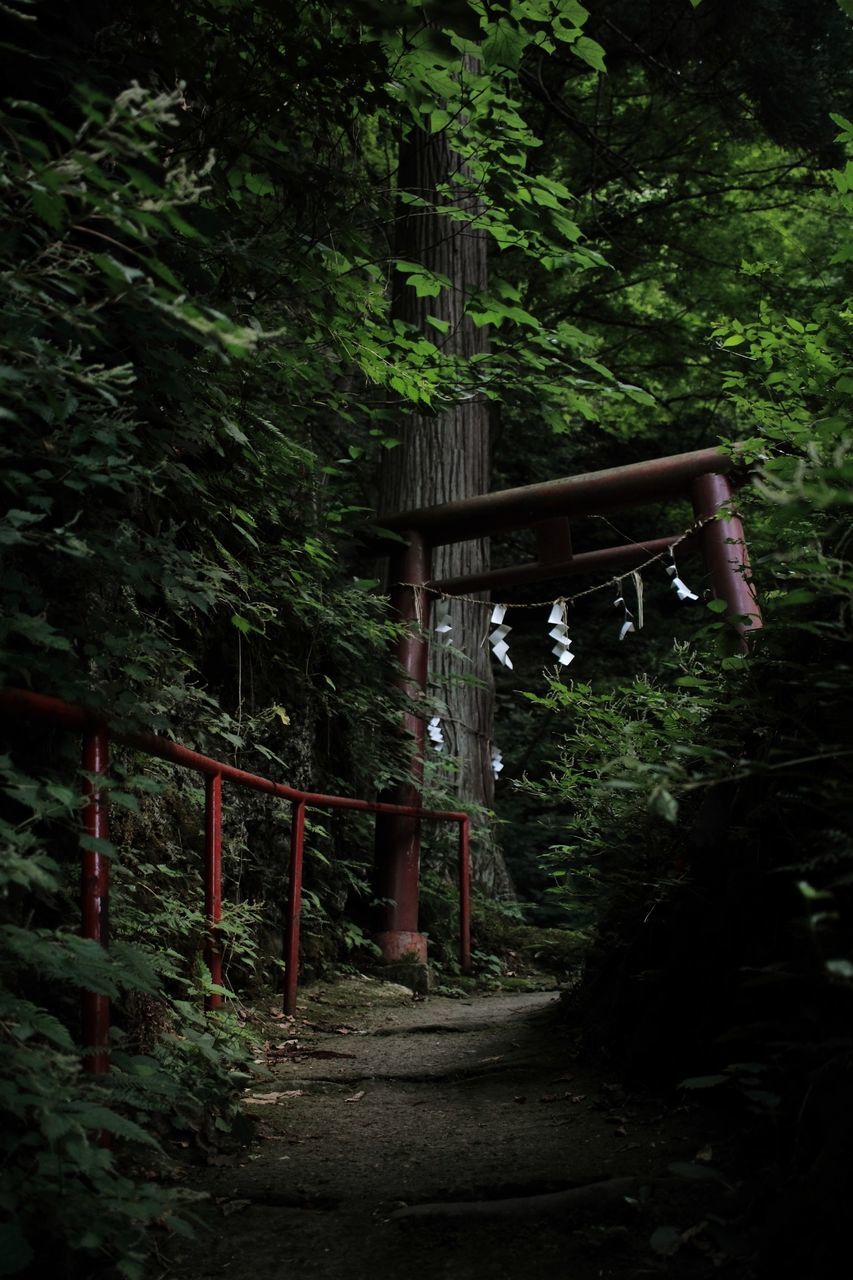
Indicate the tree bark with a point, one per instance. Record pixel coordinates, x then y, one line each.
447 456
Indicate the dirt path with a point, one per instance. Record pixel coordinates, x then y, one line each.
377 1104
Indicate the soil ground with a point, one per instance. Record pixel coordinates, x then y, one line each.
376 1101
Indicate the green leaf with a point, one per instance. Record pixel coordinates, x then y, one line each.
590 52
125 800
504 47
95 844
637 394
425 286
703 1082
842 121
663 804
800 595
50 207
97 1118
811 894
117 271
259 184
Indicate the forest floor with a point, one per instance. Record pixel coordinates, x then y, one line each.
462 1138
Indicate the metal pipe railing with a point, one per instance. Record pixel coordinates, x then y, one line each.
95 863
95 890
213 883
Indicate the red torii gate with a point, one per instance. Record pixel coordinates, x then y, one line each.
704 476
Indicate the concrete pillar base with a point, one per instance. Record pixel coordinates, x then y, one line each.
404 959
402 944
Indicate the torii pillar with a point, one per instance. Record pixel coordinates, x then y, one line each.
398 836
725 553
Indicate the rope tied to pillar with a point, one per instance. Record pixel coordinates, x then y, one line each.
421 588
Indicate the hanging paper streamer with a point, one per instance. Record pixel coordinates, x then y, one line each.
497 639
628 618
683 592
442 622
559 633
436 737
638 587
497 761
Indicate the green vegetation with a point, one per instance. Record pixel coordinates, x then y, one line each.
201 375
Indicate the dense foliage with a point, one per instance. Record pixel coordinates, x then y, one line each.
200 376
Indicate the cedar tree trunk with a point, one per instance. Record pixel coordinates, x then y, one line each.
445 457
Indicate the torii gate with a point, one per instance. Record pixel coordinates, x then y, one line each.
704 476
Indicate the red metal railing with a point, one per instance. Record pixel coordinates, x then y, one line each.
95 864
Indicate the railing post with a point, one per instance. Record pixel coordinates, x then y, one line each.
465 895
726 555
213 884
94 895
398 836
294 906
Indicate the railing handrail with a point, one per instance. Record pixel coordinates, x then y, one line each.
96 730
70 716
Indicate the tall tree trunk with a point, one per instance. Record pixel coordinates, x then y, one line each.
445 457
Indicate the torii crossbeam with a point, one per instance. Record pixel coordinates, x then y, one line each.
707 477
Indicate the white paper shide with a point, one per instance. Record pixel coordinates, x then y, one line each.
441 619
434 733
680 588
559 633
497 638
627 616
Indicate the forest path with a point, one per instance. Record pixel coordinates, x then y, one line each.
377 1102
